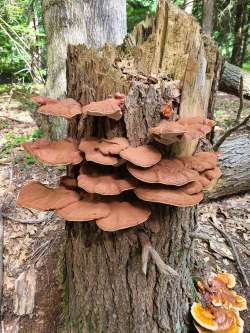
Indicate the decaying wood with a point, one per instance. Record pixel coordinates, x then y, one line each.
104 278
235 167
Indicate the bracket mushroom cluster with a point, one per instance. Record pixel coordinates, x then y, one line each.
116 180
219 311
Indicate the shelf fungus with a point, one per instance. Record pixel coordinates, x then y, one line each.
110 107
220 312
37 196
168 132
142 156
94 181
167 172
62 152
124 215
67 108
84 210
102 151
174 196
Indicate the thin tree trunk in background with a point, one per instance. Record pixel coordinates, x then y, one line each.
106 289
208 16
188 6
93 23
240 18
245 39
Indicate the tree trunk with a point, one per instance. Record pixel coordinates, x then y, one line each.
230 80
240 18
92 22
107 292
235 167
208 16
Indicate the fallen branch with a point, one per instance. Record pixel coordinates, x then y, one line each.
147 251
228 239
229 132
17 120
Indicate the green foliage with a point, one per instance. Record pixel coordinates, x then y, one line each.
22 40
13 141
137 10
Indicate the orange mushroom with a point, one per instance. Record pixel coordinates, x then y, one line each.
37 196
67 108
43 100
201 161
168 132
123 215
92 152
218 320
167 172
142 156
110 108
84 210
113 146
93 181
168 195
61 152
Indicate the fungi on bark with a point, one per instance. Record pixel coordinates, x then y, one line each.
94 181
142 156
123 215
110 107
67 108
35 195
168 132
222 305
62 152
84 210
68 182
174 196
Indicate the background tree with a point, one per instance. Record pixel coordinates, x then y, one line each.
208 16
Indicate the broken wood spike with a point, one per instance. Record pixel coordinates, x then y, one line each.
147 251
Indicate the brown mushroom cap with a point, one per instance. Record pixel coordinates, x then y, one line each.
193 187
92 153
104 184
168 132
67 108
62 152
124 215
167 172
142 156
168 195
201 161
84 210
110 108
37 196
113 146
214 173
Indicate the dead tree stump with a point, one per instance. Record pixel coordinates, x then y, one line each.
106 289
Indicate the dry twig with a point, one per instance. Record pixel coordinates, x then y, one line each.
228 239
147 251
229 132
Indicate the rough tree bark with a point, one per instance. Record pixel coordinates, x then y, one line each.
92 22
208 16
235 167
107 292
230 80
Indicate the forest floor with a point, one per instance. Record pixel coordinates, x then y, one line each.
34 242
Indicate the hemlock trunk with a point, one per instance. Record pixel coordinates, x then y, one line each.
107 291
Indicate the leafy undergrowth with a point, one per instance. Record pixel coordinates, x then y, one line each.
41 244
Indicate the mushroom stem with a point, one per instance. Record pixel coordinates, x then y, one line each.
149 250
